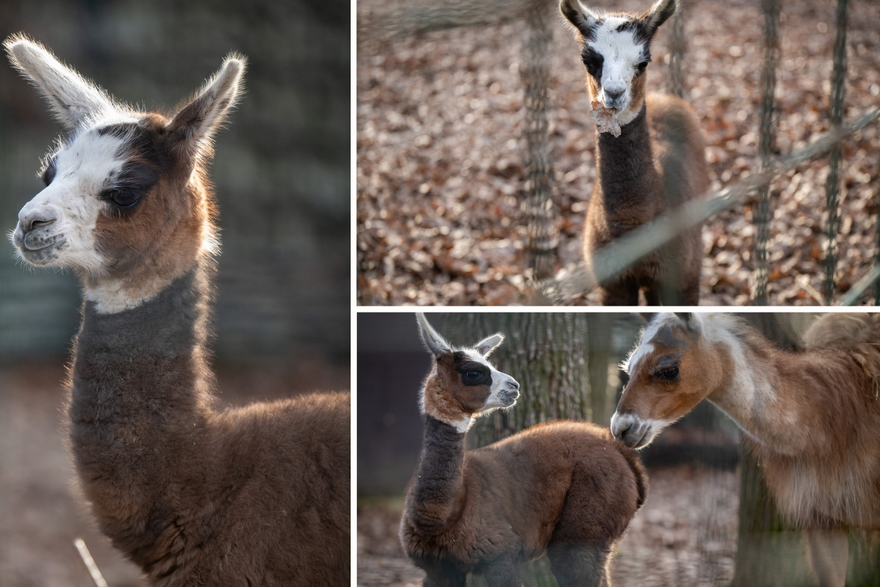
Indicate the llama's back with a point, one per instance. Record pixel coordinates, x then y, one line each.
843 330
283 483
678 146
583 467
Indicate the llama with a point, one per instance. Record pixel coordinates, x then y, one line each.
814 415
649 157
193 495
567 488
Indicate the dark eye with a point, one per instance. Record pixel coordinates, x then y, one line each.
593 62
473 375
124 199
49 172
640 68
667 374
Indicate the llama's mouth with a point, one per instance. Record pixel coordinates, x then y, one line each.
38 247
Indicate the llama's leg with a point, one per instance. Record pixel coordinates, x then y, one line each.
579 564
620 292
828 553
503 572
443 574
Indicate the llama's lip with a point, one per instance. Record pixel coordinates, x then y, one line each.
38 247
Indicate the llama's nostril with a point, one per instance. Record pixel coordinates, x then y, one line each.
29 222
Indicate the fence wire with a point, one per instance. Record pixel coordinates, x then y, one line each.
832 185
768 106
540 212
626 250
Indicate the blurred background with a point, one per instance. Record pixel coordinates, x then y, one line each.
282 180
708 520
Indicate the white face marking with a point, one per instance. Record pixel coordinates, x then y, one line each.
646 346
504 390
57 227
621 56
634 431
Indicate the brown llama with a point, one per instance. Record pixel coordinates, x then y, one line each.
193 495
649 156
567 488
814 415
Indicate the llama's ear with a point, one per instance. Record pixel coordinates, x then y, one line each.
691 322
580 17
433 341
72 98
195 124
648 316
487 345
657 15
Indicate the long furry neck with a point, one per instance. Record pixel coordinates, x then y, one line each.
626 173
437 488
783 399
139 406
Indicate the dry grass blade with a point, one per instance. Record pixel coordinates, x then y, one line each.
86 556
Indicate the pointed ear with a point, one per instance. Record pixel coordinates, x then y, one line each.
657 15
433 341
580 17
487 345
195 124
691 322
73 99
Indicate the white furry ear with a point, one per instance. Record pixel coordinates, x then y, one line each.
487 345
581 18
433 341
657 15
73 99
195 124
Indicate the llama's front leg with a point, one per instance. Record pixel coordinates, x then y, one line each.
503 572
828 554
620 292
580 564
443 574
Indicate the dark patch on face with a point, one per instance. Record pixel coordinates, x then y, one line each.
473 373
667 339
50 168
129 188
666 367
593 61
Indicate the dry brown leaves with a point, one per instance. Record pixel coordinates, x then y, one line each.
441 181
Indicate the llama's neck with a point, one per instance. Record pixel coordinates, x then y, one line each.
771 394
626 174
140 401
437 488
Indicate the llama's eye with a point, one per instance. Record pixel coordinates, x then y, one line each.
667 374
124 199
641 67
49 172
472 375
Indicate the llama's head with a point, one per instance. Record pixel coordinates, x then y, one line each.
675 366
462 383
126 203
616 50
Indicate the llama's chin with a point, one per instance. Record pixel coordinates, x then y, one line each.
47 256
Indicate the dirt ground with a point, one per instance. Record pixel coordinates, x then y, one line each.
684 535
41 509
441 182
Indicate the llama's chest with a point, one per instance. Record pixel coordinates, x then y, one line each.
809 493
